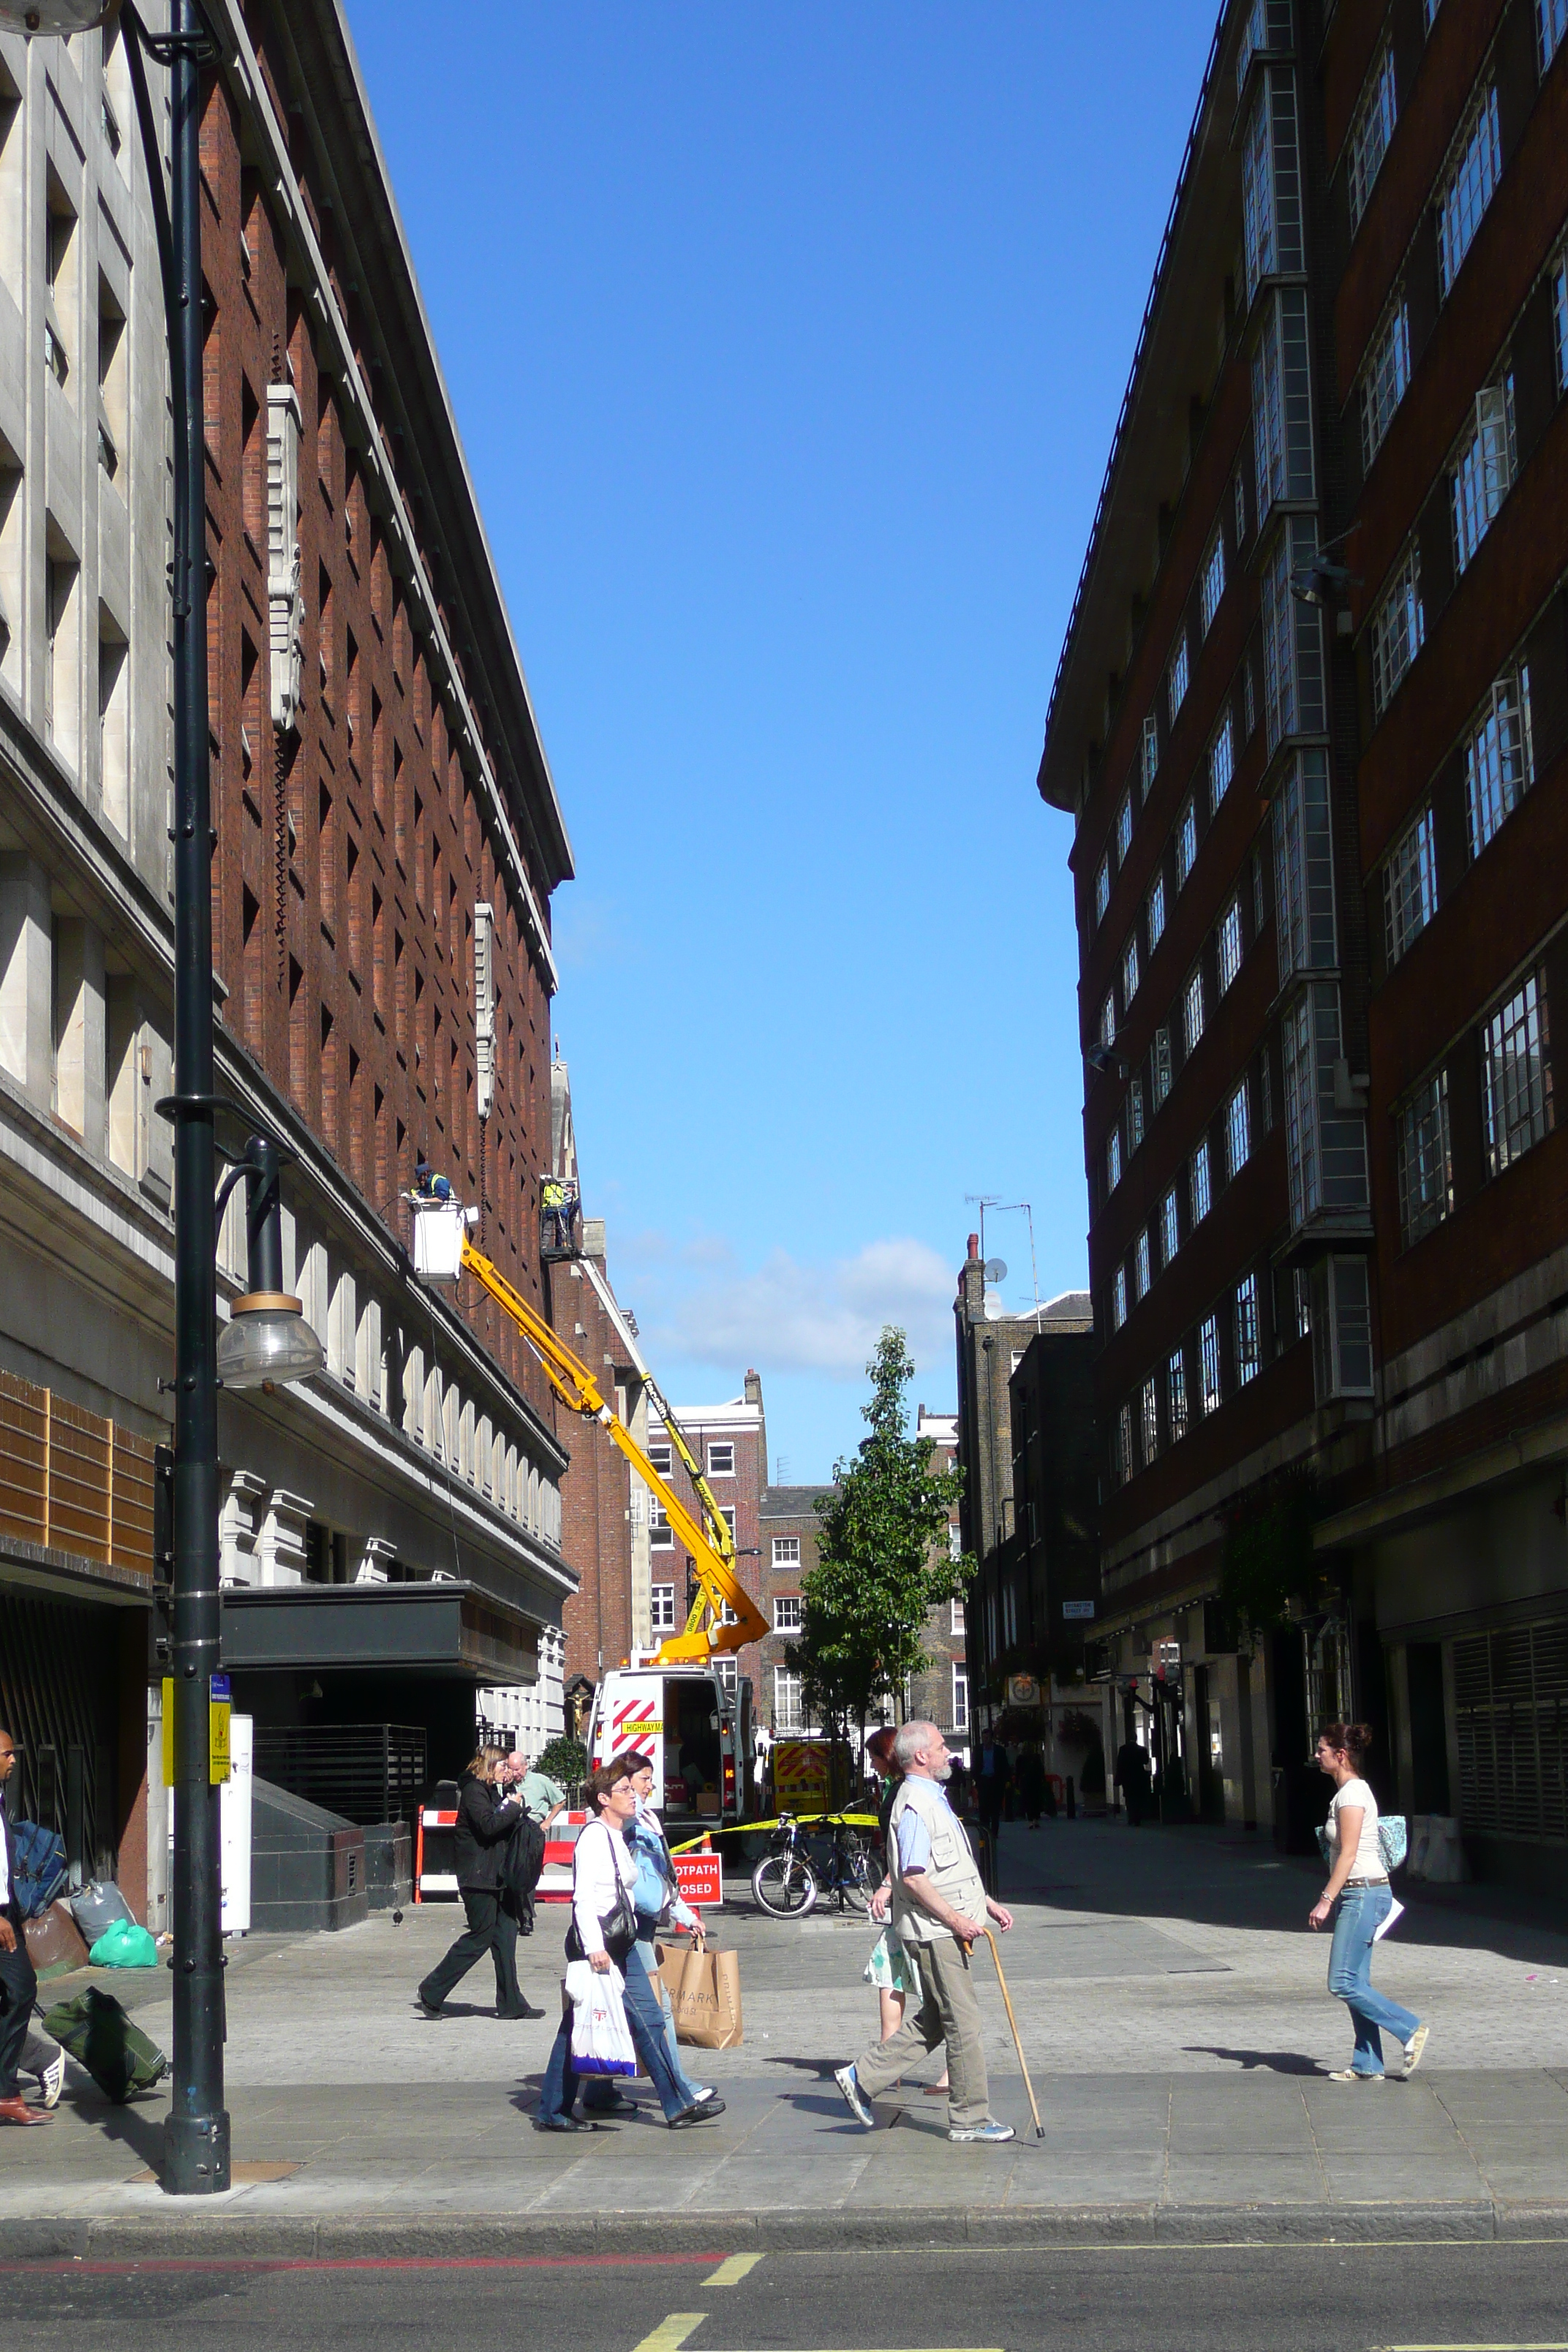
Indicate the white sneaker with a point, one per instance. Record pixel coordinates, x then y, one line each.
855 2098
52 2079
993 2133
1349 2074
1416 2048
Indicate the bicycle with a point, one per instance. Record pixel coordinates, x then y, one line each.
789 1879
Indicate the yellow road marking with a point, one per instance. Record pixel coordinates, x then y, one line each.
730 2272
1471 2348
671 2333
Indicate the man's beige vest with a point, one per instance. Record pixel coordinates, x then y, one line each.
954 1872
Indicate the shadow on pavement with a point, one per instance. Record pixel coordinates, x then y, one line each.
1276 2062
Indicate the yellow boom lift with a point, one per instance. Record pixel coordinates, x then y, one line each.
724 1618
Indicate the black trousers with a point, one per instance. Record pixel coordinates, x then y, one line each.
992 1796
490 1929
18 1986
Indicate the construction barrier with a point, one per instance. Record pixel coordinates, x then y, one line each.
433 1858
699 1870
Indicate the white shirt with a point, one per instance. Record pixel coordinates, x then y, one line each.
1368 1863
598 1860
4 1862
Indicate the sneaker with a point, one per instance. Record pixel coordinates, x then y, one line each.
1350 2074
1414 2050
52 2079
705 2112
993 2134
855 2098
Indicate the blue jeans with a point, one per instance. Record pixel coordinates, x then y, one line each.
601 2093
646 2019
1358 1914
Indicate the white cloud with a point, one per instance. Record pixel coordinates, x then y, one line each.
786 1316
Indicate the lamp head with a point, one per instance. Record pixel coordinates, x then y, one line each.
267 1341
65 17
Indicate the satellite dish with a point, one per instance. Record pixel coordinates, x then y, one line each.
995 1269
994 1309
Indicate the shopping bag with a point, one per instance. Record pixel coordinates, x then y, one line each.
704 1990
601 2038
124 1945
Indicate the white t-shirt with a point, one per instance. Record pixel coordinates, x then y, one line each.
1368 1863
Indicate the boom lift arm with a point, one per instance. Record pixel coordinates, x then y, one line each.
718 1581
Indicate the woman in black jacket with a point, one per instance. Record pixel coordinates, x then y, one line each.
485 1819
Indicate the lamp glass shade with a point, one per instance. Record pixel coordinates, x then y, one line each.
52 16
271 1343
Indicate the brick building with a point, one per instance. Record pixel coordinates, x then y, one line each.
1309 721
731 1440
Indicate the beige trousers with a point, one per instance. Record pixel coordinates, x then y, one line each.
948 2013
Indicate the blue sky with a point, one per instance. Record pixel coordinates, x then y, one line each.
786 344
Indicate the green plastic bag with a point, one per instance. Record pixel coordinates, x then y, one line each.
124 1945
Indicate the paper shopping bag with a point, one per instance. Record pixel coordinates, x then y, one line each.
704 1990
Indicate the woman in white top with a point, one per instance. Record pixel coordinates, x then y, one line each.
1357 1897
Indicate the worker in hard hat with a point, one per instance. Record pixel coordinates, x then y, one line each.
558 1206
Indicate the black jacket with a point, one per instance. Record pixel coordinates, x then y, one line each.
485 1821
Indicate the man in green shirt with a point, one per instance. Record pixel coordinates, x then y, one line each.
541 1796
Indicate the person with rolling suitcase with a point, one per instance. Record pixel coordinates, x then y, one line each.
18 1984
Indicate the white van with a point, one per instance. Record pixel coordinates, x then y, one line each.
699 1735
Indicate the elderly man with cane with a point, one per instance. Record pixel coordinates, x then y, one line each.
939 1908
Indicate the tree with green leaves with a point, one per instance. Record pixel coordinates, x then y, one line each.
882 1556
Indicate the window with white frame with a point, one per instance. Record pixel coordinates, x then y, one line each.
1210 1394
1552 22
955 1548
1341 1335
1517 1082
727 1513
1170 1227
1222 760
1271 181
1228 945
662 1456
660 1534
1124 1463
1198 1184
1134 1115
1474 170
1129 971
728 1673
1186 841
1124 829
1302 1301
786 1613
1426 1162
1560 310
1304 868
1325 1146
1151 750
955 1617
662 1611
786 1552
1237 1131
1482 474
1370 134
789 1704
1282 455
1102 888
722 1460
1192 1009
1141 1264
1113 1159
1149 1419
1398 630
1108 1020
1118 1299
1176 1395
1160 1064
1155 912
1500 765
1211 586
1248 1342
1176 677
1292 638
960 1698
1385 378
1409 886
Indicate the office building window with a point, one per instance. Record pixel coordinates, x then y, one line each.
1124 829
1302 1301
1409 886
1271 182
1141 1264
1102 888
660 1534
1467 191
1560 310
662 1456
1228 945
1199 1184
1151 750
1134 1115
661 1615
1222 761
1108 1020
1398 630
1500 765
1129 971
1123 1444
722 1461
1304 868
1212 583
1176 677
1187 843
1483 472
1170 1233
1517 1109
1238 499
1249 702
786 1613
1118 1299
1292 638
1370 134
1341 1336
1113 1159
1192 1009
1237 1131
955 1619
1156 914
960 1698
1282 459
786 1552
1384 377
1248 1347
727 1513
1177 1396
789 1711
1426 1167
1149 1419
1325 1146
1160 1064
1551 20
1209 1393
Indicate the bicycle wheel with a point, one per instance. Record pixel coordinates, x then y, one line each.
858 1877
786 1884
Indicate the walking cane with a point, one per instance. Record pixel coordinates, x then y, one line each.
1017 2040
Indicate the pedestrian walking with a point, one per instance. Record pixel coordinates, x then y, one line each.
993 1772
939 1908
1132 1779
889 1966
541 1797
655 1897
1357 1899
485 1819
1031 1779
603 1931
18 1984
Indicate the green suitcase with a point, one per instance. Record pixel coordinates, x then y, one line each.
98 2035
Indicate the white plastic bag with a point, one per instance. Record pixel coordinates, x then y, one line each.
601 2038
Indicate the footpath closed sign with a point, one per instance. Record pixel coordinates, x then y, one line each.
700 1878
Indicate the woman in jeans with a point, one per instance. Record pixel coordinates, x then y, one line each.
602 1872
655 1885
1357 1899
